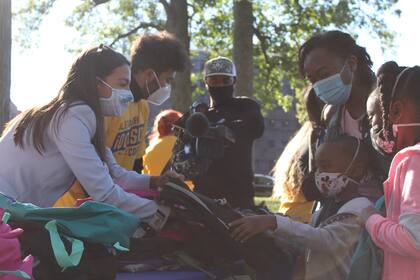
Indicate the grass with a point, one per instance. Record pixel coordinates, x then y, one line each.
272 204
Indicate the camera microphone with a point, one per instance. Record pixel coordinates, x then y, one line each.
197 124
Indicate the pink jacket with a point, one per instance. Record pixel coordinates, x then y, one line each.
399 233
10 259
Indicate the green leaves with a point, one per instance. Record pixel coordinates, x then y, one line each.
281 26
30 17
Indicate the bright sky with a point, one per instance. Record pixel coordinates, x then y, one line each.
38 73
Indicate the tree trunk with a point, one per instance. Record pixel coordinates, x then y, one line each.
242 46
177 23
5 59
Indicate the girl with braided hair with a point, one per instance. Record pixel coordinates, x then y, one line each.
377 107
398 233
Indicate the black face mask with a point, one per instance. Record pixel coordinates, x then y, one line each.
220 95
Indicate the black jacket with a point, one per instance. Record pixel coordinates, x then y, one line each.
231 177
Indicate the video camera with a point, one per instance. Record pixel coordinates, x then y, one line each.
199 141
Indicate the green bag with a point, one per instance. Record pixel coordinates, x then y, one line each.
367 260
93 222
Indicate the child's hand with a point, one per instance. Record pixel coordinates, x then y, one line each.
366 213
173 174
247 227
158 182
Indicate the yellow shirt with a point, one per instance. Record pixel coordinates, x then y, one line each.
71 196
297 208
126 137
158 155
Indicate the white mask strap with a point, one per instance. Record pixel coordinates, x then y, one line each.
157 79
105 83
147 84
354 156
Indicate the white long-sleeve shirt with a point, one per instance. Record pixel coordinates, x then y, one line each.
41 179
329 248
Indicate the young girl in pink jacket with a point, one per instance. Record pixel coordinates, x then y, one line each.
398 234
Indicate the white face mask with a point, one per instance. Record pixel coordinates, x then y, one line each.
117 103
160 95
330 184
332 90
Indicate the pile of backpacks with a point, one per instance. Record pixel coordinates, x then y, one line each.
96 241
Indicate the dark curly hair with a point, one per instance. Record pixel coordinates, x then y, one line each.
159 51
343 45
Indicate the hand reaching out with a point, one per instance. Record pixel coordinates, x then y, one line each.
158 182
247 227
366 213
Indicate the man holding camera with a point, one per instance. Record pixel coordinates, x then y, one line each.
232 175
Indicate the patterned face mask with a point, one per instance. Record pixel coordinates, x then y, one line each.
330 184
382 146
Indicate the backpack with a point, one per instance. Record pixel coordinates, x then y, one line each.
92 222
367 260
97 261
260 252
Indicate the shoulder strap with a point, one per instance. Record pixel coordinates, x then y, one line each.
365 127
64 259
380 202
334 124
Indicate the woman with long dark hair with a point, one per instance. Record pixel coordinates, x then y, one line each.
44 149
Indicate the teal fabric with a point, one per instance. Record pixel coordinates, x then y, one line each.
63 258
17 273
93 221
367 260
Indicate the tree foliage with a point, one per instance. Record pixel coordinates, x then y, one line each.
280 27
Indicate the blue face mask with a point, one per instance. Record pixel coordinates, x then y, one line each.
332 90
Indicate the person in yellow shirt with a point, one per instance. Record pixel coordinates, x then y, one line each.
162 140
288 178
126 135
296 161
155 58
